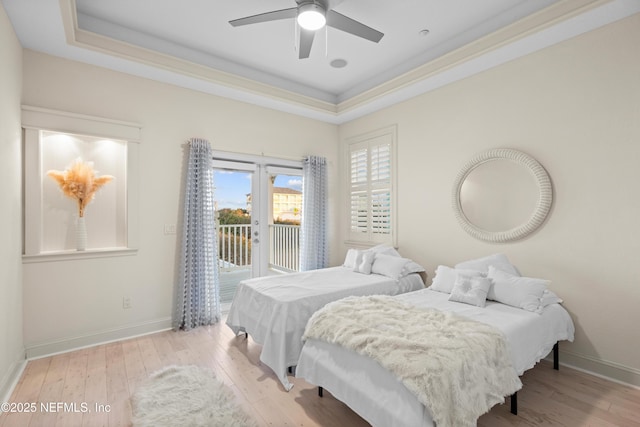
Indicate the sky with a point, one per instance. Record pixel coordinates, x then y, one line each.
231 188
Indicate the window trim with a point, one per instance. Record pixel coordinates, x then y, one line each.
389 132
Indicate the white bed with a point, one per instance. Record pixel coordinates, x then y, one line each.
274 310
380 398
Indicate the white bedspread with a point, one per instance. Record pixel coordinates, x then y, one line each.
274 310
443 358
363 384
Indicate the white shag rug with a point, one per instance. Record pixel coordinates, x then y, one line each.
186 396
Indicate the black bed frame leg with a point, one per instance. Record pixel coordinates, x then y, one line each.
556 366
320 391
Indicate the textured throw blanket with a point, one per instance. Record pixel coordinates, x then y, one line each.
457 367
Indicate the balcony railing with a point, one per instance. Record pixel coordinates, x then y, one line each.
234 247
284 247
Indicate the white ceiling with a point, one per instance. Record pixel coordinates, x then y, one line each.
266 51
191 44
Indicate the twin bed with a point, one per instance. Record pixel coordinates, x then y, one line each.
378 396
358 357
274 310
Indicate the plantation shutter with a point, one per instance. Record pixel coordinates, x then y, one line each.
370 192
359 190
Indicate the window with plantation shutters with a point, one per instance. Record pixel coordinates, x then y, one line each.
371 183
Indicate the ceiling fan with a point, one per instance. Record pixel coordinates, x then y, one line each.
312 15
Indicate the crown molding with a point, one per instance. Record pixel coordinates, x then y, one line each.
532 24
78 37
551 25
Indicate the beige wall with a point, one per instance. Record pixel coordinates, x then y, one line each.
11 348
575 107
80 301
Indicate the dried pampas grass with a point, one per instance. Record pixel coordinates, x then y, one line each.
79 182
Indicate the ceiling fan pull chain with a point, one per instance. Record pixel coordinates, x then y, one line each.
326 41
295 36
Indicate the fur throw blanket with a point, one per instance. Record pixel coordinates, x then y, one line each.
457 367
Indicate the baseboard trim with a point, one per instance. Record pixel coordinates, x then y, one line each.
11 379
64 345
601 368
593 366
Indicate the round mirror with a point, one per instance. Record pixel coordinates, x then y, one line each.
501 195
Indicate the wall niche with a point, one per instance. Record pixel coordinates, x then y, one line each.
54 140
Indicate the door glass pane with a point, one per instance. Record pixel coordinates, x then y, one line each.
232 199
284 222
257 212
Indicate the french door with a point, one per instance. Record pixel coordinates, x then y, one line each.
257 205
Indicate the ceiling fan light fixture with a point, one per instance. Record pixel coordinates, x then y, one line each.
311 16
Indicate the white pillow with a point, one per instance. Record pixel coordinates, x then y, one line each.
499 261
385 249
364 260
350 258
411 267
470 290
517 291
445 278
549 297
389 265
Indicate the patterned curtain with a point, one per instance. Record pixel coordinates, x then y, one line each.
197 301
314 251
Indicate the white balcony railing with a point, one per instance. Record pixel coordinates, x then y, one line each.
234 247
284 247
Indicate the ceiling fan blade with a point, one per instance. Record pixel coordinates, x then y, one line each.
306 40
266 17
348 25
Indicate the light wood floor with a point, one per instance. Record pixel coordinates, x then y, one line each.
109 374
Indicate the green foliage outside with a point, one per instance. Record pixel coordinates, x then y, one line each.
237 238
228 216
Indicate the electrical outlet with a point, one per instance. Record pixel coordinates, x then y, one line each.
126 302
169 229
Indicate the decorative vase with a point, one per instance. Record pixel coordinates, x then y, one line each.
81 234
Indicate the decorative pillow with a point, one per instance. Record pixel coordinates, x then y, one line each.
549 297
499 261
517 291
350 258
470 290
385 249
364 260
411 267
389 265
445 278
